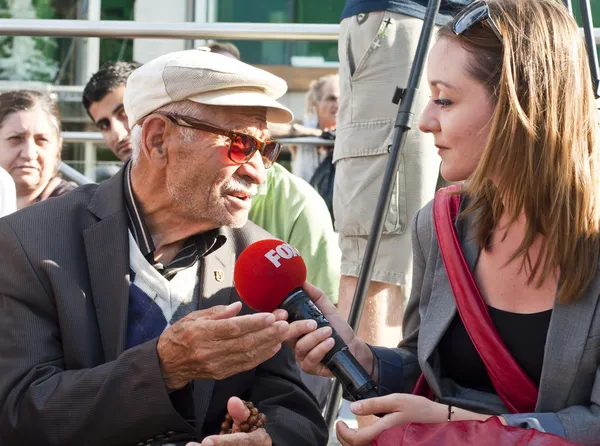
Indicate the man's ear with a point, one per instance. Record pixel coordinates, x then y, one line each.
155 129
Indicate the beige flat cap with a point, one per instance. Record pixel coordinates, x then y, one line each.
206 78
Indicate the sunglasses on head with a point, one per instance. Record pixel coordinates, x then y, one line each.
476 12
242 147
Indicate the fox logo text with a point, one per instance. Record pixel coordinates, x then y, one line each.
284 251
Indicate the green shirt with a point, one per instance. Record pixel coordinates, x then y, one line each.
291 210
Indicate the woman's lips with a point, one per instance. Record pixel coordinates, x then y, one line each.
27 168
441 149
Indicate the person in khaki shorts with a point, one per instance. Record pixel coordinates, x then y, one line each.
378 39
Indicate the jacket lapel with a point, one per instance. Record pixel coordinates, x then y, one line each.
215 288
107 249
565 343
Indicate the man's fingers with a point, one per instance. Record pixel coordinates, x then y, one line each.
280 315
250 350
219 312
257 438
239 326
242 360
300 328
238 410
262 339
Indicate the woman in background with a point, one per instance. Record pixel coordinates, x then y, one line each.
31 144
322 101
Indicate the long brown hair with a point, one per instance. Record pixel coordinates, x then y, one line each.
542 152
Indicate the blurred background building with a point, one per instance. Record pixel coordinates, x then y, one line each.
63 65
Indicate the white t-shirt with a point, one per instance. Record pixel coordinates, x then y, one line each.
8 194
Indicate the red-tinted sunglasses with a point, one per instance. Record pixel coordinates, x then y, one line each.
242 147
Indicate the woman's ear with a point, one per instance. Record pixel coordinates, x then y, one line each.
155 129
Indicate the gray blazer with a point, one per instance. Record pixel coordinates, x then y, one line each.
569 394
65 376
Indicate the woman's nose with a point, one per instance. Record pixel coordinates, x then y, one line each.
29 149
428 122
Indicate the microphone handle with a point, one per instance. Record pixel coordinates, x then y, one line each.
352 376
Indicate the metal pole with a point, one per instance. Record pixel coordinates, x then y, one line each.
73 174
87 63
131 30
588 31
403 124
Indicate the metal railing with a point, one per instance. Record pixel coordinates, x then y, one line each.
188 30
73 174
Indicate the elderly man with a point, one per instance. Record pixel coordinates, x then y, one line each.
285 206
119 322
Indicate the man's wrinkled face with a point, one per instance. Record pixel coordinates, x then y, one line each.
202 177
110 118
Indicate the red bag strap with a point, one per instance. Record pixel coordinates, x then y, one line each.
515 388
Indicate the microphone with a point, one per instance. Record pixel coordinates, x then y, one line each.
269 274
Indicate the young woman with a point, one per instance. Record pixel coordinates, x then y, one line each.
512 111
30 145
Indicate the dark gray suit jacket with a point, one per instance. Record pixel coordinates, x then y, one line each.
569 393
65 378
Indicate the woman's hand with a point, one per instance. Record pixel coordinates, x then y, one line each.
310 345
400 409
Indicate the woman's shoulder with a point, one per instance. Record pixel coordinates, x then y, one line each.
63 187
